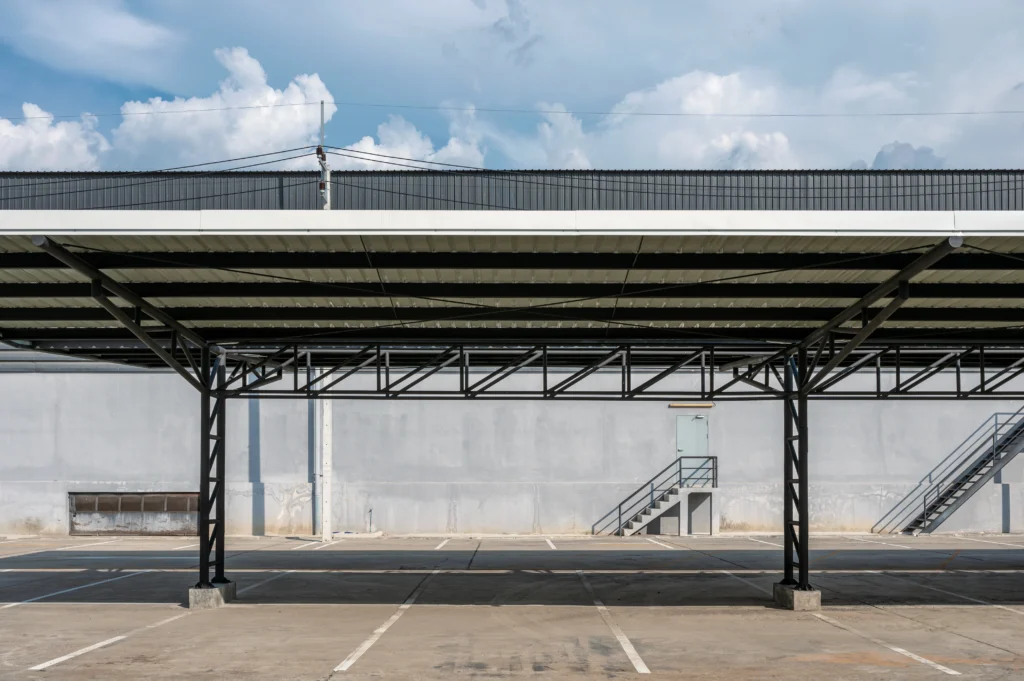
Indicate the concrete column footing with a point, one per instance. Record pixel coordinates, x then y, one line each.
214 597
791 598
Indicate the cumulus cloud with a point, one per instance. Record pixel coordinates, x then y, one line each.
903 156
399 138
695 139
40 142
260 118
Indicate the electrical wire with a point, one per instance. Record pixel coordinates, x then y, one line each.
165 200
89 176
555 112
715 192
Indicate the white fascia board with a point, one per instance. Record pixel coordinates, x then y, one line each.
526 223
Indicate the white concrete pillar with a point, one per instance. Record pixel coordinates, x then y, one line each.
326 467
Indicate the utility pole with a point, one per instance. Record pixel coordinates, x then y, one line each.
325 170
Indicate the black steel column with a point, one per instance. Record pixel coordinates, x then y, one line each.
789 479
796 519
220 459
204 471
804 520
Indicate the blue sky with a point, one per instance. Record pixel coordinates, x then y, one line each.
75 57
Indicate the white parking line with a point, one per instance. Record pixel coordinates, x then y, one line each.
64 658
301 546
660 544
987 541
441 545
101 644
182 548
77 546
748 583
137 558
76 588
871 541
379 631
769 543
948 593
627 646
265 581
901 651
325 545
553 547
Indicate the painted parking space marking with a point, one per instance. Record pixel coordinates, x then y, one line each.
989 541
79 546
265 581
747 582
620 636
300 546
103 644
76 588
83 651
551 544
895 649
187 546
948 593
660 544
379 631
769 543
324 545
441 545
871 541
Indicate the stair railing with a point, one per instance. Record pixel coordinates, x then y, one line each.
685 471
985 439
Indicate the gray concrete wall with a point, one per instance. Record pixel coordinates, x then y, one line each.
465 466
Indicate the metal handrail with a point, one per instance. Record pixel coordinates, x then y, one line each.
985 439
696 475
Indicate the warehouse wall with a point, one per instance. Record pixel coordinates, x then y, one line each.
463 466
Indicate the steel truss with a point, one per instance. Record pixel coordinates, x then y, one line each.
818 366
560 371
796 519
212 471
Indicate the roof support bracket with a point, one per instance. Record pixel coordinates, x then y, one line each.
101 284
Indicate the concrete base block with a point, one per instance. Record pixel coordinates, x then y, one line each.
204 599
790 598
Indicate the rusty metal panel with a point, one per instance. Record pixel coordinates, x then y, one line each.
174 514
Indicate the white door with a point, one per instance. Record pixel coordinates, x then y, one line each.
692 435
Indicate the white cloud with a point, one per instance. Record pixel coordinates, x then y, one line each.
903 156
625 140
101 37
399 138
261 118
39 142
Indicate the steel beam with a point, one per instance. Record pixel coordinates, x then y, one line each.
511 261
74 262
326 313
935 254
688 290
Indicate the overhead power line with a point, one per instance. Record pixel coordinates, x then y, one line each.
552 112
89 175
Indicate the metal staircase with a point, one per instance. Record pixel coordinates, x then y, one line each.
957 477
658 495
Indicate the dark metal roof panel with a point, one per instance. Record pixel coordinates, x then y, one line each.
826 190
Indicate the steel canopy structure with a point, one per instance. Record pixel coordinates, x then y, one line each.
788 286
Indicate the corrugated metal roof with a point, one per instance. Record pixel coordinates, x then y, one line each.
825 190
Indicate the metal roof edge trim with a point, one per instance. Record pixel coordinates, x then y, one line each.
526 223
